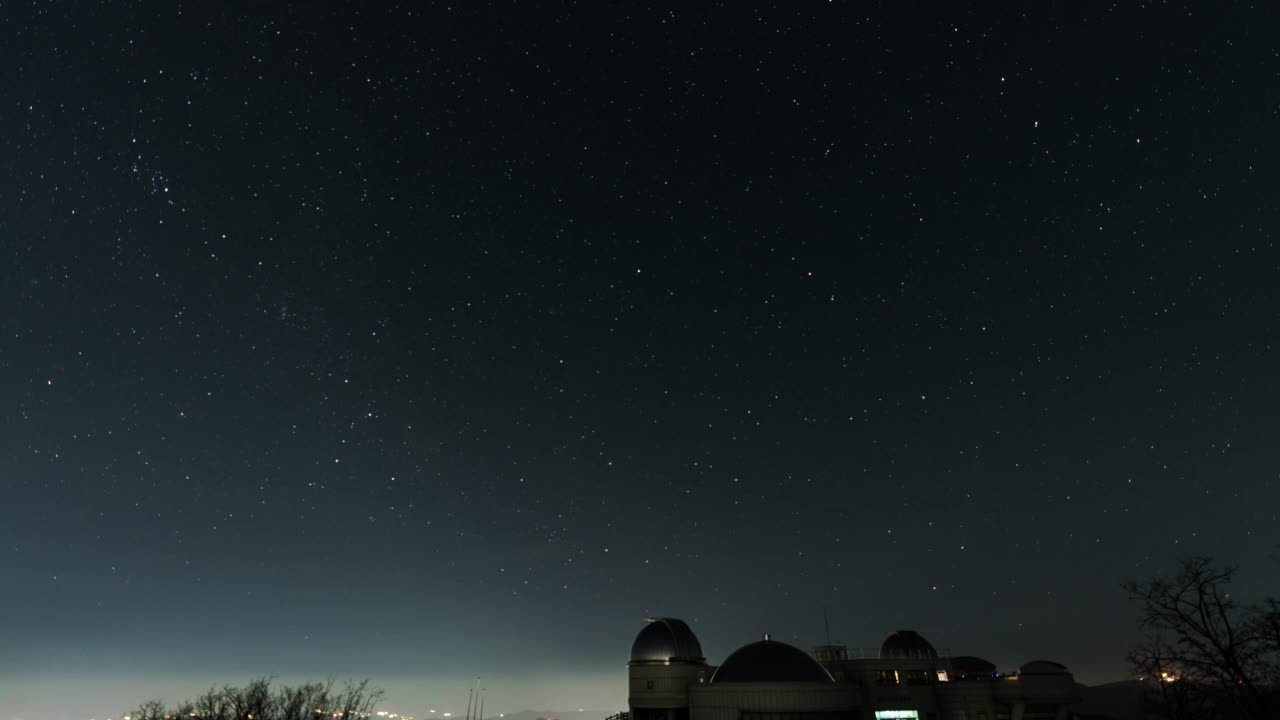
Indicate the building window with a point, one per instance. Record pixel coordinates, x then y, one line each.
897 715
648 685
917 677
889 677
943 677
796 715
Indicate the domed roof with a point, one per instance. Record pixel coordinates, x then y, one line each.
907 644
770 661
967 665
1043 667
666 640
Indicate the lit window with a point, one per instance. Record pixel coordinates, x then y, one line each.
888 677
942 676
897 715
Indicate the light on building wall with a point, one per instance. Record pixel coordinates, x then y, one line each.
942 676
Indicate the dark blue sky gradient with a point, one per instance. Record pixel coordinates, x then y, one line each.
423 342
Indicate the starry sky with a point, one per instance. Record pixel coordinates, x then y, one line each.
427 341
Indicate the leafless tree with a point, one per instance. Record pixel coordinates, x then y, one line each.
212 705
357 700
152 710
258 701
1174 690
1209 655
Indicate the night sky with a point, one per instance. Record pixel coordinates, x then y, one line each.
423 342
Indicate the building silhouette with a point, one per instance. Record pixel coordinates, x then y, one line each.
904 679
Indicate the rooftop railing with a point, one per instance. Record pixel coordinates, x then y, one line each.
867 653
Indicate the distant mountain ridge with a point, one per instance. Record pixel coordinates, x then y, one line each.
1118 700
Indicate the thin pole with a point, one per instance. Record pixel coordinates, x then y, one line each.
469 691
481 715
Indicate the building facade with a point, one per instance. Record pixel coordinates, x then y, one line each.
905 679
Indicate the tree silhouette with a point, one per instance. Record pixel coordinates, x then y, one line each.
258 701
1207 655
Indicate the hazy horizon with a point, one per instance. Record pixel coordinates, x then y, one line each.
36 695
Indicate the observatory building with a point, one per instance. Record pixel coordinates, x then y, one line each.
904 679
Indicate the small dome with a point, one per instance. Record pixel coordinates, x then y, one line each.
907 644
666 640
970 666
1043 667
770 661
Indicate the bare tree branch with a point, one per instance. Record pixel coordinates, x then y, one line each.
257 701
1209 656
